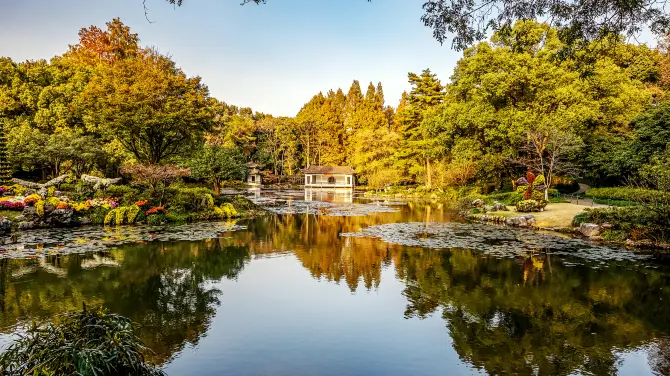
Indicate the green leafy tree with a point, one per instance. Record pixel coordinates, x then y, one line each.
217 164
149 106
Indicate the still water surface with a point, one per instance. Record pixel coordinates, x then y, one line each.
289 295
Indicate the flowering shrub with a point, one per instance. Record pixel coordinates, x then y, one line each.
132 213
111 215
18 190
156 210
32 199
81 206
53 201
526 206
51 190
226 210
141 203
62 205
120 215
39 208
12 205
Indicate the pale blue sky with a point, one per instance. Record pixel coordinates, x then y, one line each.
271 57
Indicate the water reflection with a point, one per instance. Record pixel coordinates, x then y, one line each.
533 314
161 286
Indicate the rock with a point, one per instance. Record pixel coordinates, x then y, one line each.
60 217
85 221
27 225
499 206
29 213
58 194
606 226
5 226
590 229
478 203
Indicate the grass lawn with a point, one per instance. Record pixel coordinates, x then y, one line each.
555 215
11 214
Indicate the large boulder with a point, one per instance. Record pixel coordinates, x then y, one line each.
29 214
5 226
590 229
60 217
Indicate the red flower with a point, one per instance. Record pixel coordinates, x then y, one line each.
156 210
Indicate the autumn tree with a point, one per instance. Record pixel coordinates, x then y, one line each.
150 106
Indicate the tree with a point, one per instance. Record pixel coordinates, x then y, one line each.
216 164
550 152
149 106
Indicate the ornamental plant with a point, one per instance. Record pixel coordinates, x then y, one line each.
527 206
12 205
32 199
132 213
87 342
39 208
141 203
156 210
62 205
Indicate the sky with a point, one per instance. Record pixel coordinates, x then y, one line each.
272 58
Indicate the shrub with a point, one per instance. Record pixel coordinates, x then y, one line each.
507 198
51 190
191 199
176 218
53 201
156 219
649 196
120 215
156 210
527 206
567 188
651 222
62 205
39 208
88 342
126 195
18 190
97 214
132 213
109 217
32 199
68 187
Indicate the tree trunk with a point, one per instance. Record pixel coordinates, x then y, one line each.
429 179
217 187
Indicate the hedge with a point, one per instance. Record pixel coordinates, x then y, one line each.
648 196
636 222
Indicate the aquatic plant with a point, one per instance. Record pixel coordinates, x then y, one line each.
87 342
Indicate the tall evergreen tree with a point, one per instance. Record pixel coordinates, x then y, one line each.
427 92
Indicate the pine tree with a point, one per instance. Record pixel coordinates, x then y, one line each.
427 92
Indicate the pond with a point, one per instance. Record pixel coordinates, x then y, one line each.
338 285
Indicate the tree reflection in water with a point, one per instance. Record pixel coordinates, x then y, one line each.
160 286
532 315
